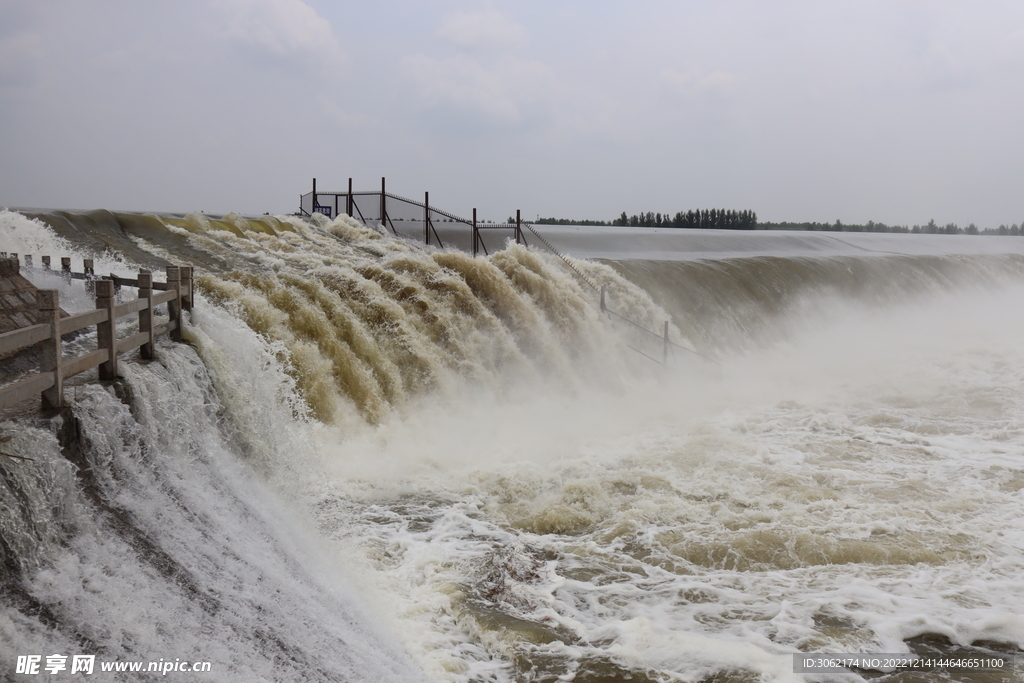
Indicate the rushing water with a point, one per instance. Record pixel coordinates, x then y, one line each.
375 461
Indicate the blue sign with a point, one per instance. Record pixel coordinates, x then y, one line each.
325 210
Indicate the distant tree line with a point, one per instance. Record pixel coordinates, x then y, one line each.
562 221
839 226
701 218
723 219
930 228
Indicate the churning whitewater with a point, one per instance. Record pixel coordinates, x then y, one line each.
375 460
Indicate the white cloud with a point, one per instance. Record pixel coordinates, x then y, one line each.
1012 46
943 69
22 48
488 29
341 116
20 56
693 83
509 94
487 84
282 28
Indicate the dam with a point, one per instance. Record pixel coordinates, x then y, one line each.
373 458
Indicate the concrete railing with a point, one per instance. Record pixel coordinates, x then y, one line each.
46 334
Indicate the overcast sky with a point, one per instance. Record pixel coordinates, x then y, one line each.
890 111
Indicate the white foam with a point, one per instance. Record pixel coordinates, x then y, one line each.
852 488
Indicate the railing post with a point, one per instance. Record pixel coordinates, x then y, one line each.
174 305
474 233
383 208
348 201
46 262
519 228
426 218
65 268
28 260
146 314
106 331
664 353
186 288
89 271
50 353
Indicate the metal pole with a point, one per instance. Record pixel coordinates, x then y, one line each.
474 232
314 197
664 353
519 228
426 217
383 210
348 202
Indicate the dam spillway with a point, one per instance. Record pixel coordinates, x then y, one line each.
377 459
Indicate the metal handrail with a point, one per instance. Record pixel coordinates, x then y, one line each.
529 226
516 226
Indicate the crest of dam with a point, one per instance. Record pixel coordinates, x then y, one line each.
366 321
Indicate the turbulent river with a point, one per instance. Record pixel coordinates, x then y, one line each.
378 461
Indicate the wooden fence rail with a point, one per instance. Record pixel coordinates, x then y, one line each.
46 334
